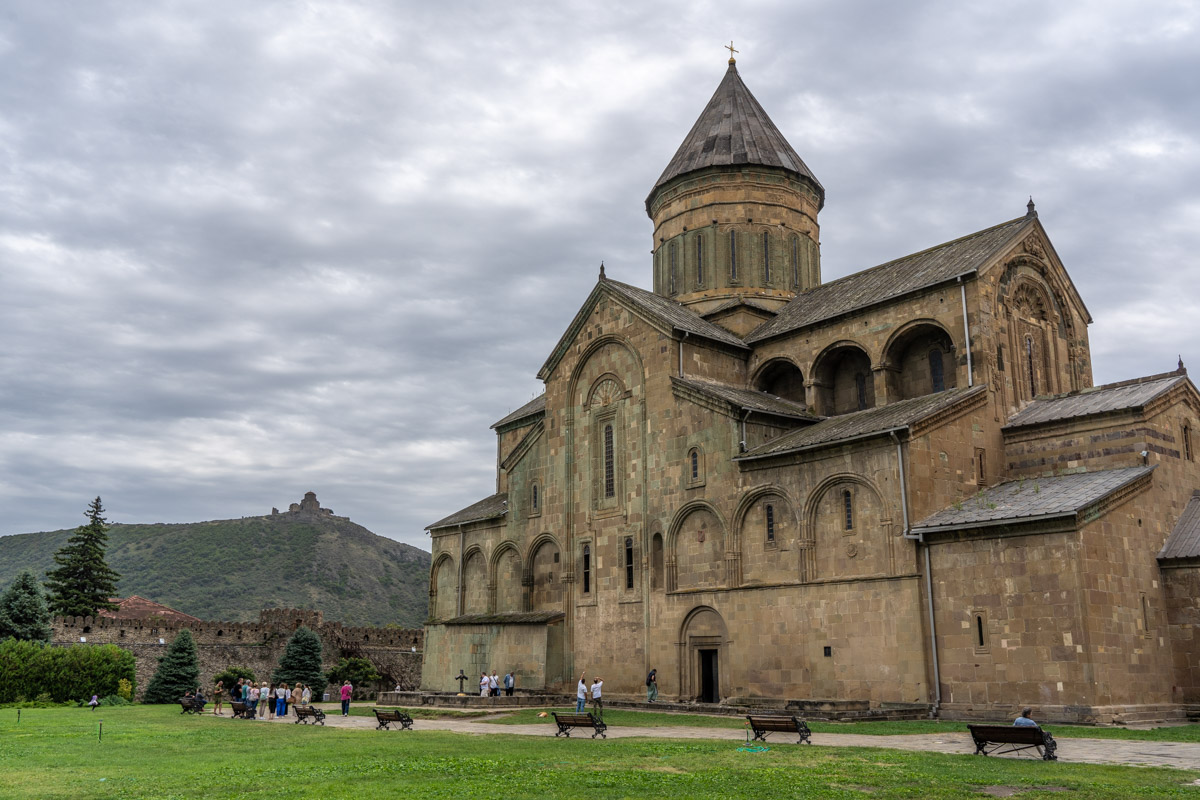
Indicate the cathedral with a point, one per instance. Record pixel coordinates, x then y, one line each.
899 488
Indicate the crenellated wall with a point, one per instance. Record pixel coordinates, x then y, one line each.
395 652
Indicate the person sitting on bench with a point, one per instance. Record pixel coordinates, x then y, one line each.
1025 720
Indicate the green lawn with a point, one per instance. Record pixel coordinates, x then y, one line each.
154 752
654 719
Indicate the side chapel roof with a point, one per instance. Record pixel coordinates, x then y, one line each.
748 398
1099 400
893 279
734 129
534 408
1184 541
492 507
861 424
1028 499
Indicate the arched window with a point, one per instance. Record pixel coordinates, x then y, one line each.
700 259
672 274
770 523
696 462
533 499
610 482
936 370
1032 371
733 255
587 569
795 261
628 562
860 386
766 257
848 508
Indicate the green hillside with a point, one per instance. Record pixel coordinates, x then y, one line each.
231 569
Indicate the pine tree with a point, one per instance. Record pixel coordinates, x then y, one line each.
178 671
83 582
301 662
23 613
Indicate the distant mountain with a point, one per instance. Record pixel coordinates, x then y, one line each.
231 569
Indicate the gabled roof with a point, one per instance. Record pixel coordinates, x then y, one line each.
492 507
734 129
861 424
885 282
748 398
1184 541
1031 499
534 408
136 607
1099 400
662 311
739 302
507 618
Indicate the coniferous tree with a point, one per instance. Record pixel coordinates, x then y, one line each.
178 671
301 662
83 582
23 613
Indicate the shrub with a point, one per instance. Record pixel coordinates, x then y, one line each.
125 690
62 674
231 674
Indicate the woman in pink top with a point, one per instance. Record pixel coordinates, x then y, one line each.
347 692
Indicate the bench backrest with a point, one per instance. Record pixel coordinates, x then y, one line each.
1015 734
574 719
772 721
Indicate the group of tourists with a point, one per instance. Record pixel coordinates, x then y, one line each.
489 685
266 700
582 691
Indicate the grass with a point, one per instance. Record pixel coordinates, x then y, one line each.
652 719
153 752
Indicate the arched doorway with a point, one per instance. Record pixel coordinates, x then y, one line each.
703 647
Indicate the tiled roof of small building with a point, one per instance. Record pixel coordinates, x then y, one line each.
893 279
510 618
747 398
135 607
1184 541
488 508
734 129
534 407
675 315
1032 498
893 416
1100 400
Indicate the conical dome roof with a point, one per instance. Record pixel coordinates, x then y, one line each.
734 129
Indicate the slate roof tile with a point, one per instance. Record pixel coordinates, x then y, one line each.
675 315
1184 541
535 407
893 279
492 507
861 423
1099 400
1014 501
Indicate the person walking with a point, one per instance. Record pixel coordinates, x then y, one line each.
254 695
347 693
95 701
296 698
306 698
246 692
265 696
510 683
597 703
485 685
281 693
218 696
494 684
269 702
652 686
581 693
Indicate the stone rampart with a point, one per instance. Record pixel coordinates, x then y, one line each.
395 652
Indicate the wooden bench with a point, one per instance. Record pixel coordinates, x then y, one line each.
242 710
991 739
763 724
191 705
309 714
385 718
567 721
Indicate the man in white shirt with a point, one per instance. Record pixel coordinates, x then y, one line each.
494 684
581 693
597 703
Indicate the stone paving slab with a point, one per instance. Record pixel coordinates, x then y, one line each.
1182 755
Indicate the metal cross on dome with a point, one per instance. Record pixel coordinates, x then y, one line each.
729 47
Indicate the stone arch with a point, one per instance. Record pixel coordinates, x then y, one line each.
704 646
505 571
834 547
782 378
765 536
657 561
920 359
696 548
843 379
443 602
475 581
581 366
545 571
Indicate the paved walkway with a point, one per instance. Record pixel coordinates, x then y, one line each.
1183 755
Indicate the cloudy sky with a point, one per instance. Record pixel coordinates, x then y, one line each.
249 250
